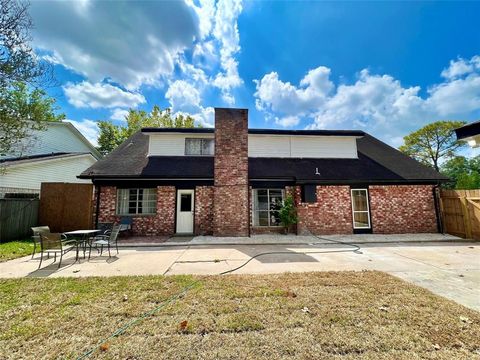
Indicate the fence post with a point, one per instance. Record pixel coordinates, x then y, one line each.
443 220
466 217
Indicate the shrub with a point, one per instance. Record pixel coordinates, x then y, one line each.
288 213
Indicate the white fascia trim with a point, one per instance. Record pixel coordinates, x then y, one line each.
47 160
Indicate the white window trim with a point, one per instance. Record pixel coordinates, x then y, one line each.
254 193
361 211
202 139
136 206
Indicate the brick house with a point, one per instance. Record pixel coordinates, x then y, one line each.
231 180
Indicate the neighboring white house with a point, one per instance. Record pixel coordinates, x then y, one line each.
57 154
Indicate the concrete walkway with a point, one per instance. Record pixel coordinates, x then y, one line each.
450 269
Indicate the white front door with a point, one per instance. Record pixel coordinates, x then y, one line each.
185 207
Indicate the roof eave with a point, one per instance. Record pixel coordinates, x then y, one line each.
355 133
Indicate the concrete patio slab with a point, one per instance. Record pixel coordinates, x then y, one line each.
276 239
450 269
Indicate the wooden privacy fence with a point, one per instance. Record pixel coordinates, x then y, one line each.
66 206
461 212
17 216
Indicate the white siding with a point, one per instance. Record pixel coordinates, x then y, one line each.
58 137
31 175
266 145
298 146
324 146
171 144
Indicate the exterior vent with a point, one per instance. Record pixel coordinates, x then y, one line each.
309 193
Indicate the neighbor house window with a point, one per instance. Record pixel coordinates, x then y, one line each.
266 204
136 201
199 146
360 209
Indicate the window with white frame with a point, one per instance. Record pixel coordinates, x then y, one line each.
360 209
136 201
198 146
266 204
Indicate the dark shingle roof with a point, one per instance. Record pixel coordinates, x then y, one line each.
377 162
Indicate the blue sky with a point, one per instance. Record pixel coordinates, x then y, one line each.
384 67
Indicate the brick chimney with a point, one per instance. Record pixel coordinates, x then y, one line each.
231 200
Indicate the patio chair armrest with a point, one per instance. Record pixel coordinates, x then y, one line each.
68 242
100 237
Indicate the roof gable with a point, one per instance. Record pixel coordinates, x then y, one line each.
58 137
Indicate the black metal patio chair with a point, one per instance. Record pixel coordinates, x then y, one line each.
107 240
54 243
105 227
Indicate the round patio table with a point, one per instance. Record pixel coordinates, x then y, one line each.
81 237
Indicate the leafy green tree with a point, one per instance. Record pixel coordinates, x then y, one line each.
18 62
21 110
464 172
112 135
433 143
23 105
467 181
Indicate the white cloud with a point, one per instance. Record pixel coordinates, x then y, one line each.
119 114
88 128
226 32
205 55
220 44
288 121
458 97
182 96
100 95
377 103
204 116
457 68
205 12
272 93
128 43
190 46
213 55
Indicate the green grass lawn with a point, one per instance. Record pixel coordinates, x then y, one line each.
14 249
327 315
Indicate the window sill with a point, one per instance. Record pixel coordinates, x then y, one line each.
199 155
135 215
267 226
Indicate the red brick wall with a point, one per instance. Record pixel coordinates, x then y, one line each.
399 209
162 223
231 205
331 214
108 201
204 210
